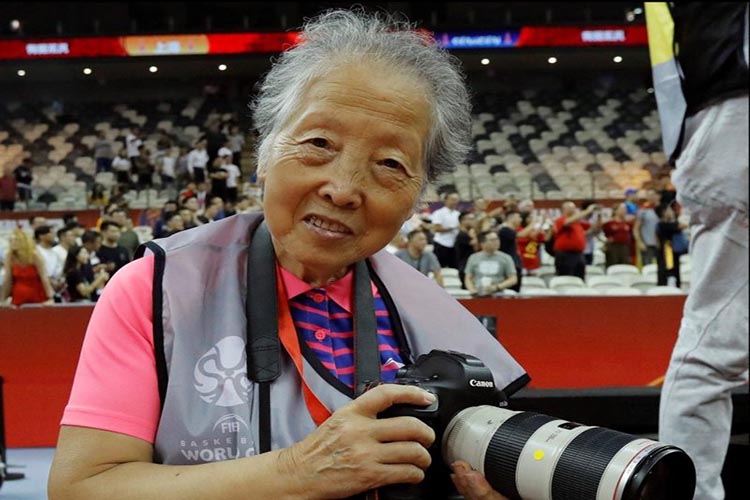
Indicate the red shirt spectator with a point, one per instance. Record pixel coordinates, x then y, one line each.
528 249
570 238
618 231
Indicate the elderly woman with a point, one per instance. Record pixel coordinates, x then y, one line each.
221 365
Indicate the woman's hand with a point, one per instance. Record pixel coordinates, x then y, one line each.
472 484
354 451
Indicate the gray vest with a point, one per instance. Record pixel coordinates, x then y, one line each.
209 407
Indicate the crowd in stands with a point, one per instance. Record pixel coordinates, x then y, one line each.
491 250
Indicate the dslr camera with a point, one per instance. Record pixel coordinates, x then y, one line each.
527 455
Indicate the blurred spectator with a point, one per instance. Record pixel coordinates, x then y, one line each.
66 239
445 229
225 150
160 225
143 167
197 161
24 178
644 228
133 142
166 164
8 190
631 203
489 271
233 178
175 223
667 192
236 144
672 244
486 219
111 253
417 257
247 204
511 204
202 196
219 176
530 236
213 212
188 218
79 286
128 238
595 219
466 241
92 241
508 245
191 189
122 167
98 196
618 232
103 153
36 221
570 240
181 167
25 280
214 139
45 242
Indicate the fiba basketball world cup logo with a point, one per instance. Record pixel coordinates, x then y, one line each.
221 374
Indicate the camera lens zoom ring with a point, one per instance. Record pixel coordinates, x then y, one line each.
583 462
505 448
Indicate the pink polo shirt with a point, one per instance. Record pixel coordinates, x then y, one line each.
115 386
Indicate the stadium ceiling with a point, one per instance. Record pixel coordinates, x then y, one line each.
251 66
122 18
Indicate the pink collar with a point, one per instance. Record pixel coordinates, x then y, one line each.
340 290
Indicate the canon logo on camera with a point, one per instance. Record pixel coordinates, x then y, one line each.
481 383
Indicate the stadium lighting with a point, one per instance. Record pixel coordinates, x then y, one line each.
21 72
485 61
15 25
153 69
630 16
222 67
87 71
637 11
650 90
552 60
617 59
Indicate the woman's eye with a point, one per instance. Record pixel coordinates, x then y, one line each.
319 142
391 163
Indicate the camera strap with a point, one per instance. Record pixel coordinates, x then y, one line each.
265 302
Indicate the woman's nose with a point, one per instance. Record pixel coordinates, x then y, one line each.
345 184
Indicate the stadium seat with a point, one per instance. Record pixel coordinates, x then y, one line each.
561 283
622 290
532 282
603 282
665 290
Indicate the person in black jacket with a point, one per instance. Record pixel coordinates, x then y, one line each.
701 82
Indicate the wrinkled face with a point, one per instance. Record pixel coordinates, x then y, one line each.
346 170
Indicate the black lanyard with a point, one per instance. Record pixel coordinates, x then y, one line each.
263 346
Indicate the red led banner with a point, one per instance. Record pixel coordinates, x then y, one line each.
151 45
595 36
246 43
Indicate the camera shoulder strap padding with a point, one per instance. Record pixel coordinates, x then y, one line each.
366 352
263 345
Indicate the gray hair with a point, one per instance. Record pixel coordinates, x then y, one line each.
353 35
